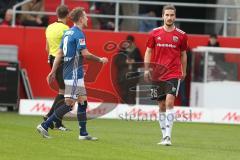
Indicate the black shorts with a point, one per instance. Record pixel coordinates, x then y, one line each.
160 89
59 72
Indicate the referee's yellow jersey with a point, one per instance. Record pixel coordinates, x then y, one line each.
54 33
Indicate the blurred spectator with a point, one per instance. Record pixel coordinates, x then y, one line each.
5 5
218 68
213 41
7 21
107 9
34 20
147 25
127 73
212 58
132 51
7 18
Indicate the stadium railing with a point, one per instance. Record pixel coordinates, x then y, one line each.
225 21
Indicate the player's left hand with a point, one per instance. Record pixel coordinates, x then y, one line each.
104 60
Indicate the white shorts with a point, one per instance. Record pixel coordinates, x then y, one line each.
74 88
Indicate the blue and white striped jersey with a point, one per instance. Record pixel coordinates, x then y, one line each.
73 42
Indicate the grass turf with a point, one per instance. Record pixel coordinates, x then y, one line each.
118 140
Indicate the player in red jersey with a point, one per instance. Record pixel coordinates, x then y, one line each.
166 48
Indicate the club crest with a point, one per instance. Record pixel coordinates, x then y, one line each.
175 39
82 42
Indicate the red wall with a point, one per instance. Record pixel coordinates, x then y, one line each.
32 55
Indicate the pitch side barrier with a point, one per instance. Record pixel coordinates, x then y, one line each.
137 112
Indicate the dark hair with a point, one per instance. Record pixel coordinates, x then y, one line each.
168 7
213 35
62 11
76 13
130 38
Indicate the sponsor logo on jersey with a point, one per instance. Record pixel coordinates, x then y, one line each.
175 39
159 38
82 42
166 45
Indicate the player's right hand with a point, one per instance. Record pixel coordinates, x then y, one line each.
147 76
103 60
50 78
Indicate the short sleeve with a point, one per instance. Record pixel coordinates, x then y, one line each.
81 42
151 41
184 44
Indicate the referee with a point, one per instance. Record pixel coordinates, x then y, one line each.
54 34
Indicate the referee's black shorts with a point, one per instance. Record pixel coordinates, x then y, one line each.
59 72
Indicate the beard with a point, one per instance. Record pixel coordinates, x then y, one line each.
169 24
85 25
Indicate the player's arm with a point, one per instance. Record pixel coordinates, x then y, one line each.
56 63
91 56
184 63
147 59
183 48
57 60
47 47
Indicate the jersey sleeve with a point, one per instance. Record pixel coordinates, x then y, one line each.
81 42
150 41
184 44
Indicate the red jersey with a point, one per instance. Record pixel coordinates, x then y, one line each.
167 47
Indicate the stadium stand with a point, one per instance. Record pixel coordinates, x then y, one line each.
51 5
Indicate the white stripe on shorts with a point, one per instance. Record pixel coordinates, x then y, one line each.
178 86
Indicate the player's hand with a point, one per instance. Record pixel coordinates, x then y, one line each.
103 60
147 76
51 77
183 75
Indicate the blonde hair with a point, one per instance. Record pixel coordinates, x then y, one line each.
76 13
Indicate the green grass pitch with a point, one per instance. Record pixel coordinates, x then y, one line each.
118 140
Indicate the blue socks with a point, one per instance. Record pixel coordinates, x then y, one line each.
82 118
62 110
48 122
58 114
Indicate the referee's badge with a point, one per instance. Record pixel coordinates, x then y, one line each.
82 42
175 39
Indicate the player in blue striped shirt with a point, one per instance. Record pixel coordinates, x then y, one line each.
73 49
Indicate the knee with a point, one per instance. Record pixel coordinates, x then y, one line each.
162 106
70 102
170 104
170 101
82 99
